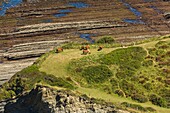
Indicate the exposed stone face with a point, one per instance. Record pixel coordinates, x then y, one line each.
53 28
8 69
47 100
24 54
29 50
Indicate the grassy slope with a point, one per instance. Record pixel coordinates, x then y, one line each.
56 64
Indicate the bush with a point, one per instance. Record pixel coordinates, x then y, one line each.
134 106
106 39
150 109
147 63
115 83
128 87
27 79
162 44
157 100
96 74
125 56
120 93
148 86
139 98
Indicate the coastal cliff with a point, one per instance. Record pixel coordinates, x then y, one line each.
44 99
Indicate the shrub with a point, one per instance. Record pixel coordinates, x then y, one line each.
150 109
106 39
125 57
134 106
162 44
128 88
124 73
148 86
96 74
114 83
139 98
157 100
147 63
27 79
120 93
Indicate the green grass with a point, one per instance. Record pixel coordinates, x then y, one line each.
121 61
103 73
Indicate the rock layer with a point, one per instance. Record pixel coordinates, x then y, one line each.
20 56
47 100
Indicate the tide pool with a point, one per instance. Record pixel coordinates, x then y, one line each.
87 37
6 5
133 21
62 13
78 4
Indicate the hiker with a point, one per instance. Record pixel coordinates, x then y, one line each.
100 48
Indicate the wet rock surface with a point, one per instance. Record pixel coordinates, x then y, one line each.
48 100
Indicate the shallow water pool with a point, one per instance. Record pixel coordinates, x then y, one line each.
87 37
6 5
133 21
79 4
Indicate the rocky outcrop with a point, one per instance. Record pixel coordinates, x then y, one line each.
167 15
29 50
47 100
20 56
8 69
50 28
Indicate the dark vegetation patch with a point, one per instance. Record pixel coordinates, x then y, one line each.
27 79
125 56
96 74
138 107
158 100
106 40
135 73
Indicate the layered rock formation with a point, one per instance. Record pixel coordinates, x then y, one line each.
24 55
8 69
29 50
47 100
52 28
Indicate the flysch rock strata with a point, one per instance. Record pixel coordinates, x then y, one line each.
21 56
29 50
8 69
39 29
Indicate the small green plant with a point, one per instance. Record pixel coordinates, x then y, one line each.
120 93
106 39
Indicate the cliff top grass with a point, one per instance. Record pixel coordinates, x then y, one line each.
133 78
